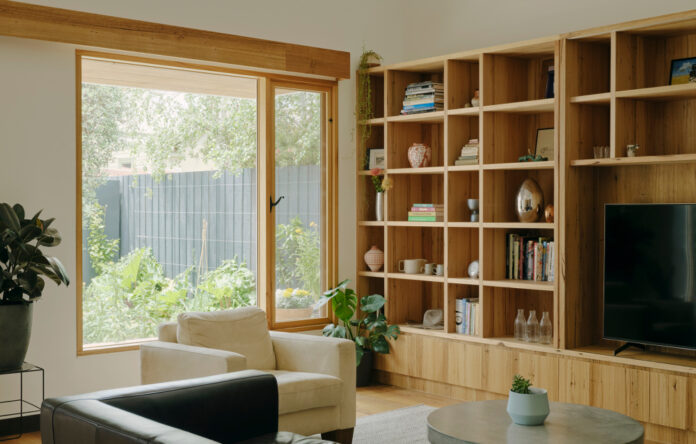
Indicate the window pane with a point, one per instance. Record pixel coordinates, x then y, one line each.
168 197
299 147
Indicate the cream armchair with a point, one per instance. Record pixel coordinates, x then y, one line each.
316 375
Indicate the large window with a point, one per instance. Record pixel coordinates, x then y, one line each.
177 181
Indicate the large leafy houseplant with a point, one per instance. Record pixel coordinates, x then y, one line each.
23 267
366 326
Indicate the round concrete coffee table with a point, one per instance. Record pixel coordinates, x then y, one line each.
488 422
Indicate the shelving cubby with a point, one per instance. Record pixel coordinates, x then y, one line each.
501 305
590 60
398 80
462 81
454 292
408 300
501 186
413 188
460 129
517 75
403 134
461 186
414 243
510 135
463 248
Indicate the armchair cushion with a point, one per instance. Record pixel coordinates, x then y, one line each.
242 331
303 391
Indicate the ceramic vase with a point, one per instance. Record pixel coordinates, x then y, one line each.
419 155
379 207
528 409
529 202
374 258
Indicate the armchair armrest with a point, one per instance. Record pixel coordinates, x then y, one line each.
318 354
170 361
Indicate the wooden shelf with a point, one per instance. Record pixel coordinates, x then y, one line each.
471 111
592 99
455 168
415 224
529 106
508 342
660 93
373 274
371 223
463 224
545 165
639 160
375 121
416 277
423 170
433 117
367 172
463 281
520 284
520 225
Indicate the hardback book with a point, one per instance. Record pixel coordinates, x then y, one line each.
468 157
427 205
425 213
466 162
426 209
425 219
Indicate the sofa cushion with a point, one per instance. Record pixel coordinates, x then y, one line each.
299 391
243 331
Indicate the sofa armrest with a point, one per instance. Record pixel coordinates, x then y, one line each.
170 361
317 354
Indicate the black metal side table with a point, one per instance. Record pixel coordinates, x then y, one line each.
22 403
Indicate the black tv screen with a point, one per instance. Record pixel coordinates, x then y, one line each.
650 274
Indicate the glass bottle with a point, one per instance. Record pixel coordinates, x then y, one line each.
520 325
532 327
545 329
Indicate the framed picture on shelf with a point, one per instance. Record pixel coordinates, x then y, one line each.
375 158
683 71
544 143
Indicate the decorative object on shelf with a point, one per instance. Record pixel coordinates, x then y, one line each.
419 155
548 213
423 97
473 205
382 184
601 151
520 325
529 201
532 329
529 157
473 269
527 405
365 107
632 150
545 329
469 153
439 270
412 266
433 319
530 257
426 212
376 159
544 143
23 266
550 80
467 316
374 258
476 101
683 71
429 269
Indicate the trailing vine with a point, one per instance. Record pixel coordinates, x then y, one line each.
365 109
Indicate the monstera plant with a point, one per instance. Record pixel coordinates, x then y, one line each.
366 326
23 270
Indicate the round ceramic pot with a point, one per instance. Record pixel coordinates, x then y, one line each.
15 331
374 258
419 155
528 410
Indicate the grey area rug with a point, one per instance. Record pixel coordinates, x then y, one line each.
402 426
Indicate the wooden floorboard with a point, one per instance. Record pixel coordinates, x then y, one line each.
383 398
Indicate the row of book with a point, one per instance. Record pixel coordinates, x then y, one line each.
530 258
424 97
467 316
469 153
426 212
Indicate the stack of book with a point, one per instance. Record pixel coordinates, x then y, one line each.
424 97
530 258
469 153
467 316
426 212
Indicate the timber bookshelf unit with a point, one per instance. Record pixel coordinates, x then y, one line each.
612 88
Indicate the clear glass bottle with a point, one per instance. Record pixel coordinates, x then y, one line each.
520 325
532 327
545 329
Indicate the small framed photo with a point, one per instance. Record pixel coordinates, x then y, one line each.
375 158
683 71
544 143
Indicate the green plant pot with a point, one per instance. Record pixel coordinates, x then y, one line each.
15 331
363 373
528 410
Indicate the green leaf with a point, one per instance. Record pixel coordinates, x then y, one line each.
59 270
359 352
361 341
334 331
8 217
50 238
380 345
19 211
372 303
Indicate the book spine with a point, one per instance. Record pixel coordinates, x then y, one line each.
424 219
425 209
425 213
428 205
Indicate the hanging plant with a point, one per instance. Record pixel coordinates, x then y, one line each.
365 110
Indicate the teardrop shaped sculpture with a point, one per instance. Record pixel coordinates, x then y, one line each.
529 203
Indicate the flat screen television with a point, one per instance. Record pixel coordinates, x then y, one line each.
650 274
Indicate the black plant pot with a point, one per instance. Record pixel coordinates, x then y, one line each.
15 331
364 371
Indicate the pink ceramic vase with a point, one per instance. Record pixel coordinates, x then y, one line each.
374 258
419 155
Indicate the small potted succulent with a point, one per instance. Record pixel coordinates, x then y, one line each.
527 405
293 304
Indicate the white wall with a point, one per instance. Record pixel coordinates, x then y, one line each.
37 111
